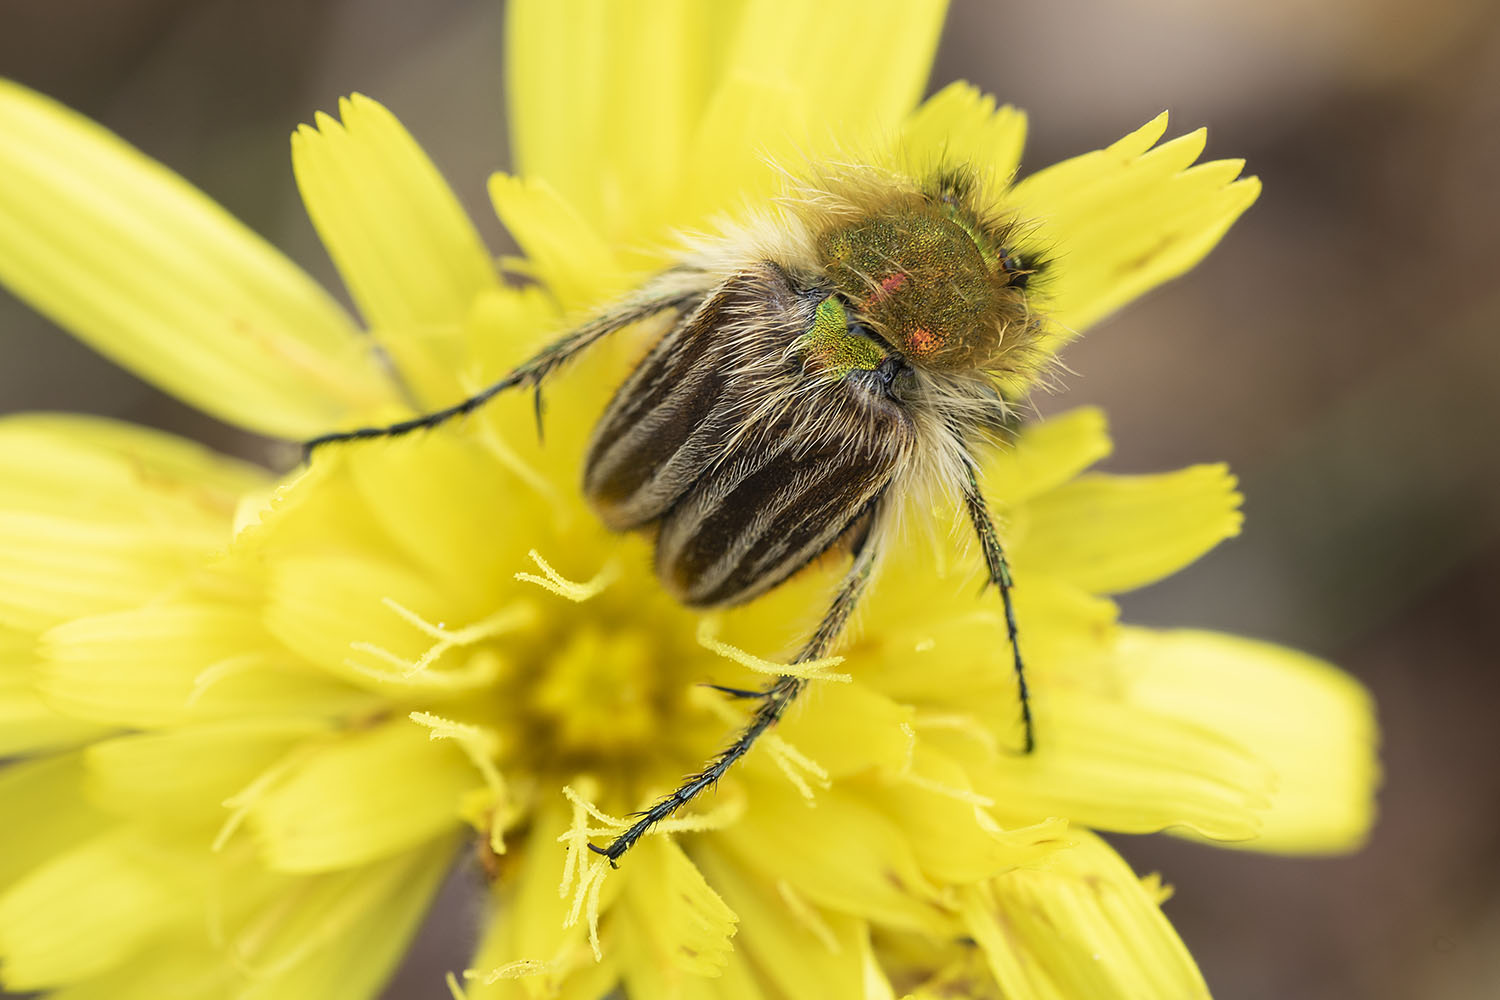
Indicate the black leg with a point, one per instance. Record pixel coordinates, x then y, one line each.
999 575
656 298
738 692
774 699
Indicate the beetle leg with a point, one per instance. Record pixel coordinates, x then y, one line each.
667 294
999 575
774 698
738 692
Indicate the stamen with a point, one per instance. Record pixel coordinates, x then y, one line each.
584 872
726 812
580 871
241 802
254 937
966 795
908 773
808 916
597 886
505 620
563 587
577 839
454 990
794 764
521 968
813 670
586 902
588 807
380 653
223 669
480 671
965 725
481 745
491 441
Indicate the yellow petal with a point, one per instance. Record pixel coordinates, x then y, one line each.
620 106
959 124
1092 169
168 663
719 175
848 728
856 67
963 972
563 251
294 517
1119 221
503 329
1113 766
97 515
1083 927
149 271
181 777
527 928
1313 724
363 796
183 969
29 725
632 941
84 910
874 873
56 568
1047 454
474 548
942 645
685 929
408 253
346 615
954 839
783 97
603 96
49 794
1108 534
339 934
806 952
111 472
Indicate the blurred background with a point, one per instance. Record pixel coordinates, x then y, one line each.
1341 350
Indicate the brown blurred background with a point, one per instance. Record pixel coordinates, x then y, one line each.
1341 351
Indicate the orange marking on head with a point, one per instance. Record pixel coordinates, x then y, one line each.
889 285
922 341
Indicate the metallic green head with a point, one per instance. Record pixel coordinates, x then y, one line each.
929 279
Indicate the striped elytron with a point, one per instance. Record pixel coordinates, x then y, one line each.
817 370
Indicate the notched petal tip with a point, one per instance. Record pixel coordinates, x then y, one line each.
1084 927
1121 220
961 124
1108 533
413 261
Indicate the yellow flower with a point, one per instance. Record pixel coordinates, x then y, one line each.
261 715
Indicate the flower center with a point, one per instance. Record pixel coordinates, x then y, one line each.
602 687
599 693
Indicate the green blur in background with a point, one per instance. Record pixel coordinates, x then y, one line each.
1341 350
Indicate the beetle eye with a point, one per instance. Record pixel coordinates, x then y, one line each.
896 377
